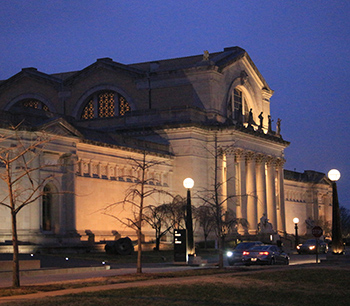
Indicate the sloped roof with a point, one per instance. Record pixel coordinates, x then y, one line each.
217 58
220 59
33 73
309 176
39 120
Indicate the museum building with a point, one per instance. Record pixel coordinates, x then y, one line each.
179 112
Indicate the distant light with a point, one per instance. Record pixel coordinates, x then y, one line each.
188 183
334 175
103 262
32 254
296 220
67 258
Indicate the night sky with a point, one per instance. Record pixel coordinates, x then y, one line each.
302 48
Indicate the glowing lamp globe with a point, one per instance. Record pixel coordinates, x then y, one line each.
188 183
296 220
334 175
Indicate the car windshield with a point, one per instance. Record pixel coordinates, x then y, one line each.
261 247
245 245
311 241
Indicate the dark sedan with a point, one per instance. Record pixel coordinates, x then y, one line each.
265 255
309 246
235 256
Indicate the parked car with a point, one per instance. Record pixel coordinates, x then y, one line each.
235 256
265 254
309 246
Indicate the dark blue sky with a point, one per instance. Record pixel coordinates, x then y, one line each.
302 48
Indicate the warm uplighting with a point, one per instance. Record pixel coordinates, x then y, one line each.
334 175
188 183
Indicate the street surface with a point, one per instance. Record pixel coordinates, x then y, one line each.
65 273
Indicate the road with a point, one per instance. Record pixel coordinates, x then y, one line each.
67 274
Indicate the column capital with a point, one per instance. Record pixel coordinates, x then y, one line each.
260 158
250 156
271 161
280 162
239 154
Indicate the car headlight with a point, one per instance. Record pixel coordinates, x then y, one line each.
229 254
298 247
312 247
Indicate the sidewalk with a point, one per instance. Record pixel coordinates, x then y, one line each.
153 282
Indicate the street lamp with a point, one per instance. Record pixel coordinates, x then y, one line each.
296 221
337 239
188 184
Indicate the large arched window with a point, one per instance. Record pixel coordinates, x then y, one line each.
240 106
105 104
32 103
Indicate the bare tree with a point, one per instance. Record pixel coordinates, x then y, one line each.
345 220
20 152
204 216
135 198
176 214
158 218
224 220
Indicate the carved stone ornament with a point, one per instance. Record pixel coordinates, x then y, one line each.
206 55
244 77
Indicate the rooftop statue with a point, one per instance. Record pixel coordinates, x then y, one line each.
206 55
261 118
278 127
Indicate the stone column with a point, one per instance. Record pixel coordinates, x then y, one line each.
261 184
281 217
251 193
220 181
271 192
231 182
242 194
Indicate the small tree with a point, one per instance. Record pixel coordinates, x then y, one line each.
206 221
20 152
345 221
135 197
176 214
157 217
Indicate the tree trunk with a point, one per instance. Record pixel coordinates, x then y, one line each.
139 251
221 252
15 264
157 240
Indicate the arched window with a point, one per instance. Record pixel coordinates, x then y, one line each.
240 106
105 104
47 207
32 103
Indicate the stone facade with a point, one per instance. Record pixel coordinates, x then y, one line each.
178 111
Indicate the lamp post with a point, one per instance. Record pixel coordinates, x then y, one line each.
188 184
296 221
337 239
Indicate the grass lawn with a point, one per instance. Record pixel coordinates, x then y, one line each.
286 286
